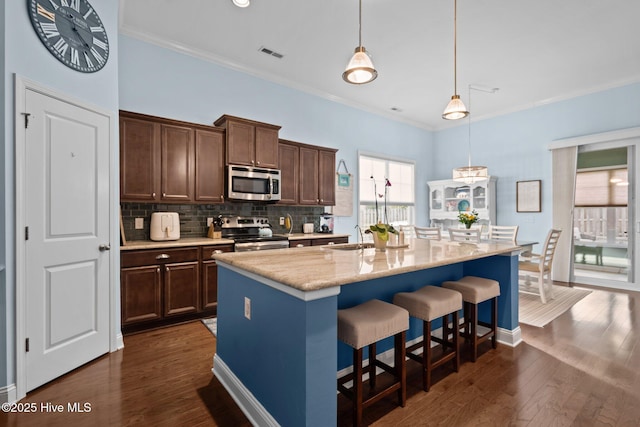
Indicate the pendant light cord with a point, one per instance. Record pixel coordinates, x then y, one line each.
360 23
469 110
455 49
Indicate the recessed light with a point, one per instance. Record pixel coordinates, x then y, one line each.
241 3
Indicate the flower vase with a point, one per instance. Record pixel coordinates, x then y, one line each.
467 226
378 243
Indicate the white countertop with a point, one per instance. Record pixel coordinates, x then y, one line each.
319 267
187 241
304 236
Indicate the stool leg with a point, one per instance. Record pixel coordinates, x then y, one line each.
400 352
372 366
474 331
494 322
426 355
456 342
357 387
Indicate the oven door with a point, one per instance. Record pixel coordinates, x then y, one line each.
253 184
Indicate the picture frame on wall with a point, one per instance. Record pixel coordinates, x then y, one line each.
528 196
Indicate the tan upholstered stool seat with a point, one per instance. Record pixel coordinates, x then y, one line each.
364 325
370 322
476 290
429 303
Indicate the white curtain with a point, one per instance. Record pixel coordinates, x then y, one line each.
564 164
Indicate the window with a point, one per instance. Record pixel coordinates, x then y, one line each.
602 188
400 195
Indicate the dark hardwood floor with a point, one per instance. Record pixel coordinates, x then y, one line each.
583 369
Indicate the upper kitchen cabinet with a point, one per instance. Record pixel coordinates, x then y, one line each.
209 166
317 176
290 172
249 142
169 161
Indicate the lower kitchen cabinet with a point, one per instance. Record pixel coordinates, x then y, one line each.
165 286
210 275
329 241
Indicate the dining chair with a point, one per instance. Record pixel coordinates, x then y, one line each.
540 265
409 231
467 235
431 233
503 232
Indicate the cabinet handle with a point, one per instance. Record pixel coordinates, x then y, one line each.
331 243
258 163
253 162
158 270
164 194
299 245
153 195
321 200
222 198
163 256
166 269
217 251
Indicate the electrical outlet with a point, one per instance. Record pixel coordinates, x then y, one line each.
139 223
247 308
281 220
209 221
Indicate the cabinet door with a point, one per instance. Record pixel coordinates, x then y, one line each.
329 241
290 163
209 165
308 176
177 154
139 160
327 177
299 243
266 149
141 294
181 288
240 143
210 275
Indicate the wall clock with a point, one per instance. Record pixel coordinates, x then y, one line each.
72 31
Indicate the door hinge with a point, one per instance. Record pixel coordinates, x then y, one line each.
26 119
26 233
26 345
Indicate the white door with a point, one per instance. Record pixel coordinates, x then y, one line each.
67 237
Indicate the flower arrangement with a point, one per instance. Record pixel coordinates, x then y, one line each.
381 229
468 218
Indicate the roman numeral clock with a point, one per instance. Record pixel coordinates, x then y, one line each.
72 31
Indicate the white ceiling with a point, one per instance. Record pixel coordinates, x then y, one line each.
534 51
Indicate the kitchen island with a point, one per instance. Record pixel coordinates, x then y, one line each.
277 350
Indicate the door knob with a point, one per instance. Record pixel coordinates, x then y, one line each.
104 247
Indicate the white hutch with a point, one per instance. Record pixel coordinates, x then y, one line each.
448 197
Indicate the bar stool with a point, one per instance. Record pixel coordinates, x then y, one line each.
364 325
475 290
430 303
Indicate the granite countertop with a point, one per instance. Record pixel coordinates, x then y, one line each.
187 241
318 267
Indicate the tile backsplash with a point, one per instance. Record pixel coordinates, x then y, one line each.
193 218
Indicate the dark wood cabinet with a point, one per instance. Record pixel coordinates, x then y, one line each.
209 164
164 160
299 243
329 241
210 275
158 285
177 157
139 159
327 177
317 176
249 142
290 172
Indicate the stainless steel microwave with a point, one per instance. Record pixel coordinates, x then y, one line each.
253 184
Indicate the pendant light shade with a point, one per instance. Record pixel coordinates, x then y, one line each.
360 69
241 3
455 109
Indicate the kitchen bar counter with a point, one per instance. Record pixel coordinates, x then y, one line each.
187 241
277 351
306 236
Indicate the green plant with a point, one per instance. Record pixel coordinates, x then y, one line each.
381 229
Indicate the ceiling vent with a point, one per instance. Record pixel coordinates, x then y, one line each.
270 52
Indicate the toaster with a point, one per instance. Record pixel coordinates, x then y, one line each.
165 226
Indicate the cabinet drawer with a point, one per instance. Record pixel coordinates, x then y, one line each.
157 256
209 251
299 243
330 241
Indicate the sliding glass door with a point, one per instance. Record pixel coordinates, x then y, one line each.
604 216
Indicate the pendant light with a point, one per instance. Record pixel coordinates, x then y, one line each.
241 3
455 108
360 68
470 174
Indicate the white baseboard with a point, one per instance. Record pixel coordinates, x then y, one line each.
252 408
510 338
8 394
119 341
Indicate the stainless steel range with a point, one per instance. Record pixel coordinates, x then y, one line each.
251 234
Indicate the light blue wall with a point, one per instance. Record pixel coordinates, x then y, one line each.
515 147
25 55
165 83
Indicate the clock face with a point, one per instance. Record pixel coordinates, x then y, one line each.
72 31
